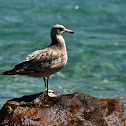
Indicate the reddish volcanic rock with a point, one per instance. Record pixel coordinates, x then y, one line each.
77 109
112 111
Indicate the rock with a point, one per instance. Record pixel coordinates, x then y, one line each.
112 111
77 109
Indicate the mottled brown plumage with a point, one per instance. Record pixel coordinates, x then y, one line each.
45 62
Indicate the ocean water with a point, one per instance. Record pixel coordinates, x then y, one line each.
96 52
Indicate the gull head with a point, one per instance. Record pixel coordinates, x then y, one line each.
59 30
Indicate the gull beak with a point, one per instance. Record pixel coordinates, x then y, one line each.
69 31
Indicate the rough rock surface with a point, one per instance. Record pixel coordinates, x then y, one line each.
77 109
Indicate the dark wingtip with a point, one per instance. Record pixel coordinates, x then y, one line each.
9 72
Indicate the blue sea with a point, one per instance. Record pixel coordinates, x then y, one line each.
96 52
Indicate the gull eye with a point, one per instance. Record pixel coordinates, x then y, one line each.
61 29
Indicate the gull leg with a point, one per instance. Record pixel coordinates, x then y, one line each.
47 85
44 82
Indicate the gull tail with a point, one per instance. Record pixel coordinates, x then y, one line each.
9 72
